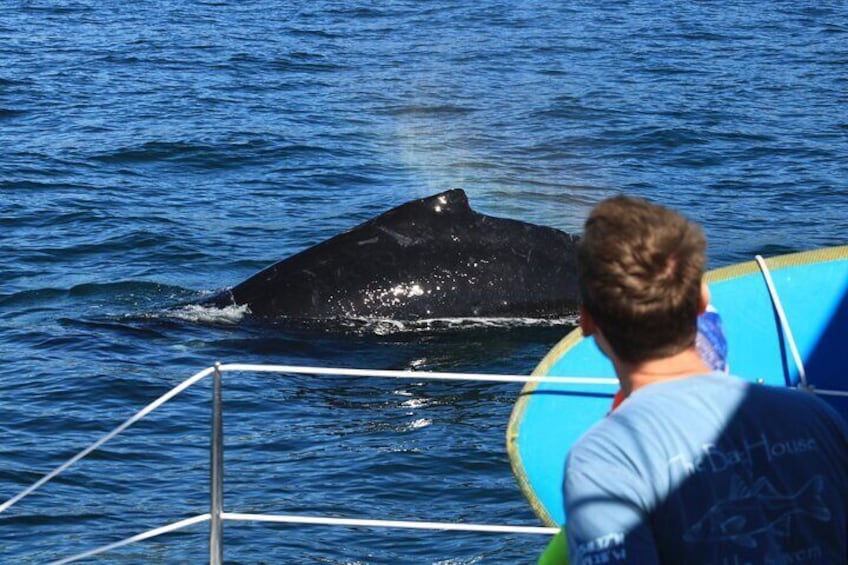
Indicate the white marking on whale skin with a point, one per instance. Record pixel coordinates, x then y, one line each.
404 241
374 239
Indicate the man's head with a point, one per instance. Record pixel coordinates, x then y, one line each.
640 271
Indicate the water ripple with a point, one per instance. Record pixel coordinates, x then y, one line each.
154 152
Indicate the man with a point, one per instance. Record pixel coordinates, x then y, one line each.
694 466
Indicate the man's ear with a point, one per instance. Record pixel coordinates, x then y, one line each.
705 298
587 323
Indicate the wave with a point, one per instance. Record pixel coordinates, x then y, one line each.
214 154
421 110
383 326
121 292
11 112
156 151
234 314
196 313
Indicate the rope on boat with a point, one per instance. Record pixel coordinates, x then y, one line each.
784 323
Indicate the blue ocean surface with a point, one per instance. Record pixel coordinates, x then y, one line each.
156 152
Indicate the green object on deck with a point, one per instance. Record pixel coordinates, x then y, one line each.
557 551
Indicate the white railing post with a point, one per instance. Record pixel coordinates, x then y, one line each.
216 473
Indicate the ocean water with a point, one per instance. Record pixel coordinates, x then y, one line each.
157 151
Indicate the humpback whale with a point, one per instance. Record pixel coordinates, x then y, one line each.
429 258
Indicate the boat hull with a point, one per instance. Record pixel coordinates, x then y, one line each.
548 417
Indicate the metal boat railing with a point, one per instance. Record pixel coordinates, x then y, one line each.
216 515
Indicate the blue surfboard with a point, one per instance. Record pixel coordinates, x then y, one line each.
811 287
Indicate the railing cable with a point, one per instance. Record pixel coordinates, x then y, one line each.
132 420
138 537
826 392
315 521
353 522
297 370
419 374
216 515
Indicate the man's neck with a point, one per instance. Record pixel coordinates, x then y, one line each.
634 376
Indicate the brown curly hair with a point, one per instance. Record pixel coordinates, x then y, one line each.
640 267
